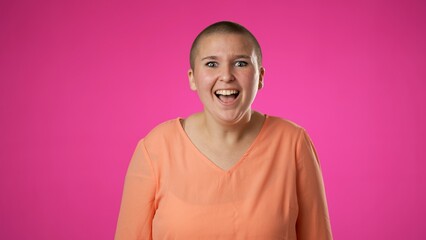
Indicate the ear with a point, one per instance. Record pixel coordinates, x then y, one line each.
192 84
261 77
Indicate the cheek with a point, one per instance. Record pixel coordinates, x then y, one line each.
204 81
249 79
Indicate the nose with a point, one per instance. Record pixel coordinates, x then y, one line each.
227 74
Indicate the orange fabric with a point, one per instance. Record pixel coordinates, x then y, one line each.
275 191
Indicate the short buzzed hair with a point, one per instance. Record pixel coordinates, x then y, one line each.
225 27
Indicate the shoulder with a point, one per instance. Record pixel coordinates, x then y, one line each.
164 128
281 133
290 132
283 126
163 133
287 134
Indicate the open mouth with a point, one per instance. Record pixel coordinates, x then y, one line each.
227 96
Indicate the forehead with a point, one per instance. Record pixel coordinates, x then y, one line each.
225 43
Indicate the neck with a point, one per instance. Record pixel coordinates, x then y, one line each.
230 133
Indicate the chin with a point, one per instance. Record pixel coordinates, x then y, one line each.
231 117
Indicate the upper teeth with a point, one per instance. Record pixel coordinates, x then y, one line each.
226 92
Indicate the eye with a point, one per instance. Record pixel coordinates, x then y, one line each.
211 64
241 64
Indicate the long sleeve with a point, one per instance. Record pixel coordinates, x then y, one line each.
138 201
313 221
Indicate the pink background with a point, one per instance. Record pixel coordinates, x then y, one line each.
83 81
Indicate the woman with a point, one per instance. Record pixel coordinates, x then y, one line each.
227 172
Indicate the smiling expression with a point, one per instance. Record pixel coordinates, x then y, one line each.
226 75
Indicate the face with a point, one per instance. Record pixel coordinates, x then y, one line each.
226 76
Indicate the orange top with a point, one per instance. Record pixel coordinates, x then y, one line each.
275 191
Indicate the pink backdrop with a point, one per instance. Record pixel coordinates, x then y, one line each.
83 81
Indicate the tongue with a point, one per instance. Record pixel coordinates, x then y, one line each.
227 99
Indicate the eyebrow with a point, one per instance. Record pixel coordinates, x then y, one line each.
215 57
243 56
208 57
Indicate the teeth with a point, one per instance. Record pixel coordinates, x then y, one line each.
226 92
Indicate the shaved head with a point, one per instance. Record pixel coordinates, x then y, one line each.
224 27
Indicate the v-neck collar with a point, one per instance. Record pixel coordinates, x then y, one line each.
211 163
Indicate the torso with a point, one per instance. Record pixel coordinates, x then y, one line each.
256 198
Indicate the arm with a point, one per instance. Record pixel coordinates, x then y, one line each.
313 221
137 205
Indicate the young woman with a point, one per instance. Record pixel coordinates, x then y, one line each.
227 172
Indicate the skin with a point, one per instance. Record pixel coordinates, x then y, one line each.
224 131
